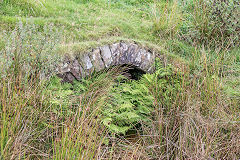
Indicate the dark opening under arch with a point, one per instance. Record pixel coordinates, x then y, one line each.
132 72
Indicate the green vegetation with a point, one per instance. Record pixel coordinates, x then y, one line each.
187 109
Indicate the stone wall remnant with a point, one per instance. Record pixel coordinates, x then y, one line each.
104 57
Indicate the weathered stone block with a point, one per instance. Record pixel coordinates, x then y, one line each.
96 59
106 55
138 58
147 61
123 53
76 69
116 52
132 53
86 64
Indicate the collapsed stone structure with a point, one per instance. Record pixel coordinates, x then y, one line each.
104 57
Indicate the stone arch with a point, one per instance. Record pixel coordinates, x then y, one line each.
104 57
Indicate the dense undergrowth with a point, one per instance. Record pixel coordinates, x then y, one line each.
187 110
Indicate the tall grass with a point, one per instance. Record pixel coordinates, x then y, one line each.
81 134
32 124
23 7
166 19
23 103
202 123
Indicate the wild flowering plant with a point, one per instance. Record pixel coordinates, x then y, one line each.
29 49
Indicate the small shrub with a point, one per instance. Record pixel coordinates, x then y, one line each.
225 18
29 50
213 23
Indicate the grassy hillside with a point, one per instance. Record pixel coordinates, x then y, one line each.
187 109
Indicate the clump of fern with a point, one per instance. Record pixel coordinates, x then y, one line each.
128 104
132 102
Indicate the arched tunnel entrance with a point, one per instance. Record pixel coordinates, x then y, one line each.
136 59
126 97
132 72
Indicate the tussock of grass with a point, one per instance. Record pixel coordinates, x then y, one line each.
23 7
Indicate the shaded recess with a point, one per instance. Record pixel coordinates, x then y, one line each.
132 72
123 54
